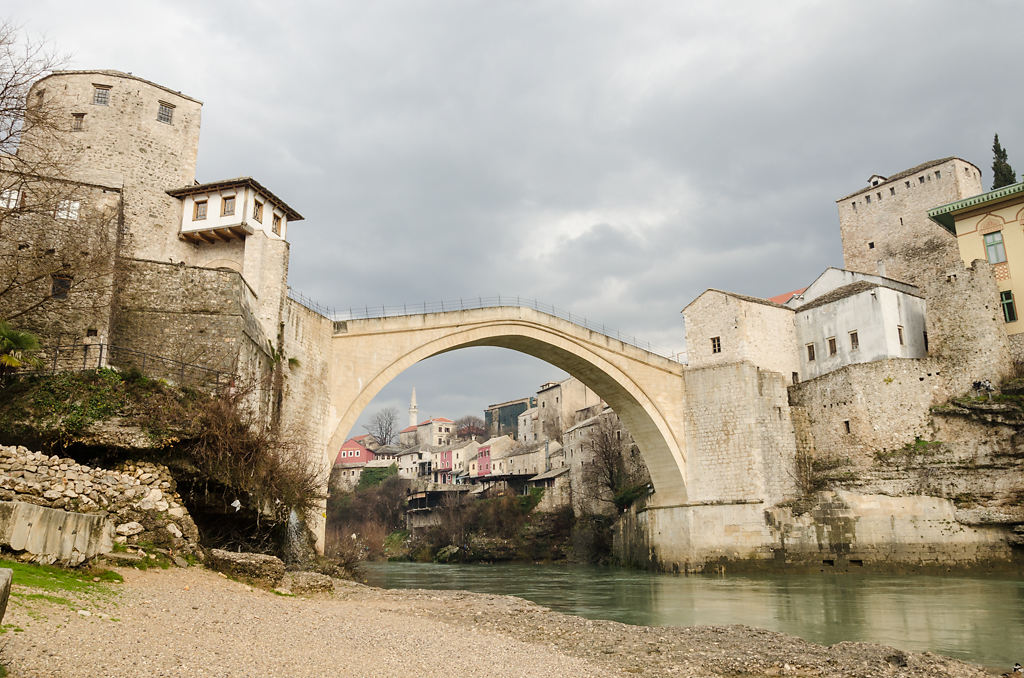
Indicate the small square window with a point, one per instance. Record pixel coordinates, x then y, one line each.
257 211
276 224
77 122
832 346
899 333
879 195
165 113
854 341
920 180
871 245
91 332
100 95
9 198
68 209
867 199
810 353
938 174
716 344
892 190
60 285
227 205
796 377
907 183
846 425
199 210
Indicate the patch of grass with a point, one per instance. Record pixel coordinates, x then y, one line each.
50 578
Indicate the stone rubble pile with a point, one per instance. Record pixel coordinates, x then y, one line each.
139 497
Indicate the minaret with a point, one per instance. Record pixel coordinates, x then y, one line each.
413 410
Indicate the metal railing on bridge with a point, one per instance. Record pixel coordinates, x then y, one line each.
470 304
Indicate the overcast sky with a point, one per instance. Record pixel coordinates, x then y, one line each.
611 158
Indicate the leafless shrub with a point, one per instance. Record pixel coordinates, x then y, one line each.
235 448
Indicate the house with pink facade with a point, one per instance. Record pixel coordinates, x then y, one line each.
353 451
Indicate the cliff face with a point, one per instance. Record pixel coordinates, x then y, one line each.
955 498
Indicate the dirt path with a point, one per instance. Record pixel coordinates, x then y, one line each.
192 622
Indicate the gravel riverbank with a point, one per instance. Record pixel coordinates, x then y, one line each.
193 622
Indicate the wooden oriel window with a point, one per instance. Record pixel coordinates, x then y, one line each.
227 205
257 211
199 210
276 224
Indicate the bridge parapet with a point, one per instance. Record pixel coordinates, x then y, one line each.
342 315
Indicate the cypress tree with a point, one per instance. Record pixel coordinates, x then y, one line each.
1002 173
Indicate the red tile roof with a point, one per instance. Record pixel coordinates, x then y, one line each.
408 429
783 298
441 420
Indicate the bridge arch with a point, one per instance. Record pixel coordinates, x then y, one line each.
644 389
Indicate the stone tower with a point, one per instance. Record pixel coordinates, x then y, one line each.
131 133
885 227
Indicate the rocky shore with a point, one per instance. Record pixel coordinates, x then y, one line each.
194 622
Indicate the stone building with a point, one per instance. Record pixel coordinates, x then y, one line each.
502 419
557 404
885 228
196 272
842 318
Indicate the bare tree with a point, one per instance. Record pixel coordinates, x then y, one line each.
616 473
470 425
54 243
384 426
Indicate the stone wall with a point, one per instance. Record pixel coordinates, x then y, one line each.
303 408
740 439
35 246
886 403
842 530
965 326
196 315
140 499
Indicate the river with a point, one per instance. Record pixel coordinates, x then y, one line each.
977 619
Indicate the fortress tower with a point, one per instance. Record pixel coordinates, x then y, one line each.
885 227
130 133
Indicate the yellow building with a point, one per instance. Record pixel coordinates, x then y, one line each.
990 226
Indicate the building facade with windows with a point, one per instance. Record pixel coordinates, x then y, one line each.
990 227
842 318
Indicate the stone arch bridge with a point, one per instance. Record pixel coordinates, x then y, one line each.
718 441
644 389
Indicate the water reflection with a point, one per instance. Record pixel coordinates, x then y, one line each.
976 619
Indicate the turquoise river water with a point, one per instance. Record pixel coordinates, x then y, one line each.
978 619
